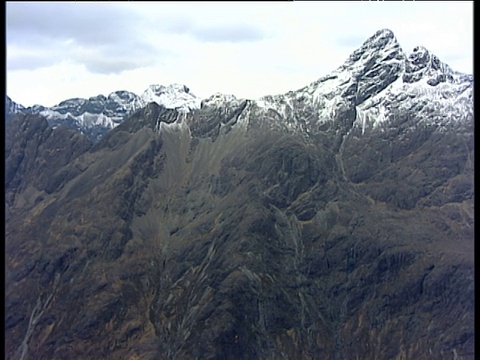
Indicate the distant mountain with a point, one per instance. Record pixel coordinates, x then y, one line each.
335 221
97 115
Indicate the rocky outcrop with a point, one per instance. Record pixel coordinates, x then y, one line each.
11 107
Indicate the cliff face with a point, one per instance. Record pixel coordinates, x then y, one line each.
297 226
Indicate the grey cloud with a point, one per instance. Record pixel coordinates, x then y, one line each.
197 28
87 23
96 58
110 66
30 62
228 33
113 59
100 23
174 24
103 38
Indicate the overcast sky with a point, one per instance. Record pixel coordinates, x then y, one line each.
57 51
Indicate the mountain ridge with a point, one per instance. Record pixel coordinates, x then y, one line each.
378 72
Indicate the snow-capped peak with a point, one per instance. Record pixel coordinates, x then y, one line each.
174 96
375 82
381 47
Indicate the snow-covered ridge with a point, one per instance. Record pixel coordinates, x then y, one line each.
120 103
86 119
102 113
377 80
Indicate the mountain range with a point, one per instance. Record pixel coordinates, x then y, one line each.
335 221
95 116
388 79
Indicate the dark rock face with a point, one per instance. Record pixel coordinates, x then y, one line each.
421 62
242 232
36 156
11 107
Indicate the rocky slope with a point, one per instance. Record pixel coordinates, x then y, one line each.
332 222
